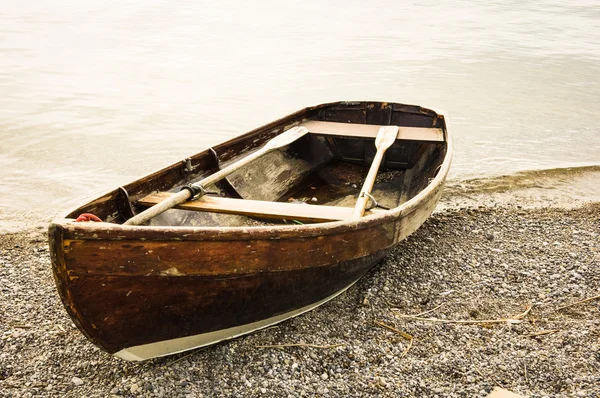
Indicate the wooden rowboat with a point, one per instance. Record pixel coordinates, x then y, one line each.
283 219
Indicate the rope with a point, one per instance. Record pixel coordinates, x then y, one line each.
88 217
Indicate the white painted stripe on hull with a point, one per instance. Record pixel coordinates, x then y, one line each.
173 346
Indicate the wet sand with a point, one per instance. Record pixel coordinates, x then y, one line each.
513 268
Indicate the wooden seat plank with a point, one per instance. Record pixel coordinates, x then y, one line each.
257 208
370 131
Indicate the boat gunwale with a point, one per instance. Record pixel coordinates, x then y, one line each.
109 231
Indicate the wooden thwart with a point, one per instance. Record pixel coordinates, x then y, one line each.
257 208
371 130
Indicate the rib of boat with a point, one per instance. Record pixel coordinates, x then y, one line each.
250 232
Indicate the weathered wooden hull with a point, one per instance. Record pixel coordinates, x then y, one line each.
146 291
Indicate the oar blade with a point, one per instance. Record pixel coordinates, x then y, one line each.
286 138
386 137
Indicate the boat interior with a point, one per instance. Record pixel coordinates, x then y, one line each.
317 178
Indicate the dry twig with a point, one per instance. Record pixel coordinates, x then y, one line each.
541 333
20 326
514 319
429 311
395 307
401 333
299 345
578 302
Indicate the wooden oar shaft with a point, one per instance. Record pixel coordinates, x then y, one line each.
363 198
279 141
219 175
385 138
163 206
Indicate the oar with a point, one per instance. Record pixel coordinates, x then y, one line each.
385 138
197 189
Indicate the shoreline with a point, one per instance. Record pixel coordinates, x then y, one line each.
488 261
567 187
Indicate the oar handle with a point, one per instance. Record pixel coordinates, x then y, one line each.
186 194
161 207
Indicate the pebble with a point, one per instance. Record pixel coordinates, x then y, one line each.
370 359
77 381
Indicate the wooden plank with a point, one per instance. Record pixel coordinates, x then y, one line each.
370 131
257 208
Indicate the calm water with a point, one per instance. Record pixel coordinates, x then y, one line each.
95 94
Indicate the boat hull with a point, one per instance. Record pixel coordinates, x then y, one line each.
130 291
171 346
147 291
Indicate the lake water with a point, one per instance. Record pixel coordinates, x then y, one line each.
95 94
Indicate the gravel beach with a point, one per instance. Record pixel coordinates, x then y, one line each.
486 283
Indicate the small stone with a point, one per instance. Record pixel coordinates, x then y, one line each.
263 390
77 381
381 382
324 376
134 387
489 237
